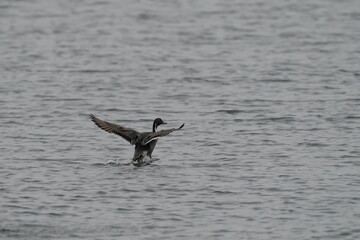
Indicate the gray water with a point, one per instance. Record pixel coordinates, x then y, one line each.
269 92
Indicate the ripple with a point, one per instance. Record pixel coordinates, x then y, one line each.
230 111
276 80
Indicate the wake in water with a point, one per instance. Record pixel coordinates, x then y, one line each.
145 161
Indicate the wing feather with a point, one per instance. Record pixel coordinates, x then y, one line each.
127 133
156 135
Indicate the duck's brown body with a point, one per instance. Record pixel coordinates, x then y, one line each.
142 151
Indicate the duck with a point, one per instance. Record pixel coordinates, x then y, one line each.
144 142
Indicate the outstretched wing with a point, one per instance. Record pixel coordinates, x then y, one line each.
127 133
156 135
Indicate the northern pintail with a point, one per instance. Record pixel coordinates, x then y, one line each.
144 142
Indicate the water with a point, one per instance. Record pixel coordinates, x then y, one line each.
269 92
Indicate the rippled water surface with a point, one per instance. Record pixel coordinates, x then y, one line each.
269 92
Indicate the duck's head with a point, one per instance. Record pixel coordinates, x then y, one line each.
157 122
